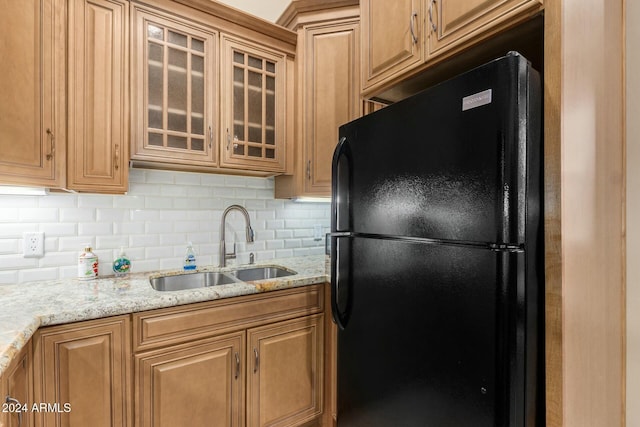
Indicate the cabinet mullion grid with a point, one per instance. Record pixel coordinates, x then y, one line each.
189 50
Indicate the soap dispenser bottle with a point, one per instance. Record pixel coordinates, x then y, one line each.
190 258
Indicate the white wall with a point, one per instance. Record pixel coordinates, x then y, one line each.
633 211
266 9
162 211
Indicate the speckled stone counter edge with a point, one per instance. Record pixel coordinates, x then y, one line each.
26 307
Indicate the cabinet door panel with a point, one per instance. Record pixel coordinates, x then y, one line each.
174 82
392 34
459 20
32 132
331 100
98 73
285 372
254 104
85 365
198 384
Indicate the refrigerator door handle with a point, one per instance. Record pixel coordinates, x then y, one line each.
340 187
341 289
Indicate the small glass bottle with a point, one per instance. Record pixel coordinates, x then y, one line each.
87 264
122 264
189 258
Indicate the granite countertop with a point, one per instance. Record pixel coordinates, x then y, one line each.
26 307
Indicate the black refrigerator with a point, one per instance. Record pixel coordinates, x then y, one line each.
437 261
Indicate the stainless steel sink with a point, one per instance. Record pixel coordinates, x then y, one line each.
261 273
191 281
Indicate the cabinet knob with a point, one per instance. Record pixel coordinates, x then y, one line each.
237 365
412 19
257 360
16 402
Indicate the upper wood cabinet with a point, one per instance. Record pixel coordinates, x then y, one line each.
403 38
254 100
453 22
174 83
98 143
327 92
392 38
32 88
16 390
85 365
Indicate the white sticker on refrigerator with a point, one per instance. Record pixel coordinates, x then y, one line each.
476 100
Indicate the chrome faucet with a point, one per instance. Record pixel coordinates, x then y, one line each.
224 256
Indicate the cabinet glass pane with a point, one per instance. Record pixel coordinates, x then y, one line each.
197 95
271 67
197 144
177 142
255 106
238 103
155 139
155 85
155 32
177 85
255 152
177 90
255 62
197 45
177 39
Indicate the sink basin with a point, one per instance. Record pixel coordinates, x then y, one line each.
261 273
190 281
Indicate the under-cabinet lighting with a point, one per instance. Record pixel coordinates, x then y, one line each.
11 190
312 199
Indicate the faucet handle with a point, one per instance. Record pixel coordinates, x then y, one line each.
252 258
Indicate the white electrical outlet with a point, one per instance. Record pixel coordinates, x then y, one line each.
33 244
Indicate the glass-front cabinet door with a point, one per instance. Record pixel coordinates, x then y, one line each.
175 86
253 82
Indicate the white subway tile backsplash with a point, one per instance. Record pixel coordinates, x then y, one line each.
161 212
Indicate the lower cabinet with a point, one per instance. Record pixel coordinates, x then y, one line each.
81 371
16 391
194 384
285 372
264 376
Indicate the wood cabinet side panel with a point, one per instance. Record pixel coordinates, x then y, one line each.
17 383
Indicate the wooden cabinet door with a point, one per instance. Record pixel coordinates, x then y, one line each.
285 372
392 38
32 127
452 22
174 83
98 96
87 366
331 97
195 384
16 388
253 98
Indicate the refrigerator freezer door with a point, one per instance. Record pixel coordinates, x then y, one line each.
451 163
435 335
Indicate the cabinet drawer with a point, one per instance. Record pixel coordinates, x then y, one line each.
179 324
